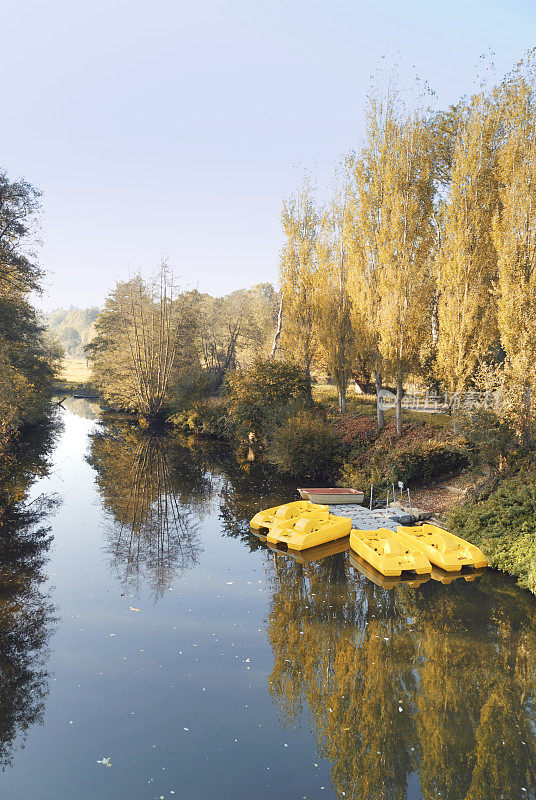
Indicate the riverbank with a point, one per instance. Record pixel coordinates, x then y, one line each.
449 476
479 486
74 380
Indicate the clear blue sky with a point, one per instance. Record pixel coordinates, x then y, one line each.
172 128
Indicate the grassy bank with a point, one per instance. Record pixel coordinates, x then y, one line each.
451 476
74 377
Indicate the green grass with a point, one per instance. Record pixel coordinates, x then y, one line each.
74 376
75 371
365 405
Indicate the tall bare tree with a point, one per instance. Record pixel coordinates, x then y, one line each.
144 335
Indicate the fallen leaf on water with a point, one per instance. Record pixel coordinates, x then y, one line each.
134 609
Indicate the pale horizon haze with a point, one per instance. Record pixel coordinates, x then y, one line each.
174 129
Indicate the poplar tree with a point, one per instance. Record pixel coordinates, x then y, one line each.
298 278
335 328
515 232
405 240
365 215
466 266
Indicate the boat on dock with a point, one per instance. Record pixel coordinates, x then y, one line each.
264 520
335 496
309 530
380 536
388 553
443 549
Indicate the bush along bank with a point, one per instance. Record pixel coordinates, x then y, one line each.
503 526
423 454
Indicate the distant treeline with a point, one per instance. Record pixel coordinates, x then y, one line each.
230 328
72 328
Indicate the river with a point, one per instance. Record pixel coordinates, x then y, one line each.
152 648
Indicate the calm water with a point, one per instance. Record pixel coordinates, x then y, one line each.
158 650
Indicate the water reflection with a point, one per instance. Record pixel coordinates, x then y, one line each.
427 692
149 485
246 487
26 612
80 407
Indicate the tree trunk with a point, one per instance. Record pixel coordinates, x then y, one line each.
309 383
399 390
279 328
526 415
379 401
435 319
342 400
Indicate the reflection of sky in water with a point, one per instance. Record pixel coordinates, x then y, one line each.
249 673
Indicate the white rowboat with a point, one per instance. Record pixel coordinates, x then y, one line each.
334 496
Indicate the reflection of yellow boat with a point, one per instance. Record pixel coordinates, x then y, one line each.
388 553
385 581
308 531
447 577
315 553
442 548
288 511
260 534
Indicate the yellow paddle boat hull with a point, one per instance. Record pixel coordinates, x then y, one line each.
442 548
308 530
385 581
388 553
288 511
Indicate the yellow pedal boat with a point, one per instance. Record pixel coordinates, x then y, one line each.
301 508
442 548
388 553
308 530
386 581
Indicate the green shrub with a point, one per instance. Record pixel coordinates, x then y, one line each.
307 447
491 438
207 419
193 386
504 527
420 463
264 388
425 462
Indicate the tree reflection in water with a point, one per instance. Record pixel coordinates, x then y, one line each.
434 686
26 611
149 484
